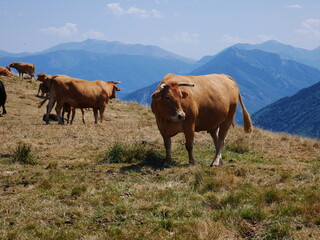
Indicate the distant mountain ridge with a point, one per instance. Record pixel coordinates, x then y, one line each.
298 114
308 57
106 47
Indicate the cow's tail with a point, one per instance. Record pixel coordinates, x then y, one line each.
247 123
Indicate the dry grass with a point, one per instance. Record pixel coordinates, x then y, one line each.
268 187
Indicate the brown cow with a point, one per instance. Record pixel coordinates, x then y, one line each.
80 93
191 104
45 86
22 68
5 72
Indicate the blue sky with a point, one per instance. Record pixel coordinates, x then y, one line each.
191 28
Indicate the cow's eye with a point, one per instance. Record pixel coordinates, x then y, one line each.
167 97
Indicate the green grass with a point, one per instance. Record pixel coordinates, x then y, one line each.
132 153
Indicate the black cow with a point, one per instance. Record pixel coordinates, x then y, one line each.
3 98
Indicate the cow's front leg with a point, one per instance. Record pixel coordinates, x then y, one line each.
167 145
58 112
49 108
189 135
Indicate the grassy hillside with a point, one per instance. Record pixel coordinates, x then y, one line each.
268 187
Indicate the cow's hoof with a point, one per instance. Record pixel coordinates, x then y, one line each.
167 165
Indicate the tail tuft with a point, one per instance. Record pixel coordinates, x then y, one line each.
247 123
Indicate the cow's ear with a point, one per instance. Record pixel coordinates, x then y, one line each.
156 95
184 94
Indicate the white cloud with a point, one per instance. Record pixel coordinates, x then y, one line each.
310 27
184 37
68 30
296 6
116 9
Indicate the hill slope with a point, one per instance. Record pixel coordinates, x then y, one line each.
267 189
298 114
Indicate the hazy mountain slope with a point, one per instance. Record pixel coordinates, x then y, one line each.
132 70
298 114
309 57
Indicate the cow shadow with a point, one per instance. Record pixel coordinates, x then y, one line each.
157 164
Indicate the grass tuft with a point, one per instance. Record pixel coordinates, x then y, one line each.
23 155
131 153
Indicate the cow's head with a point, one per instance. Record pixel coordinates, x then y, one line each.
168 98
114 90
12 64
41 77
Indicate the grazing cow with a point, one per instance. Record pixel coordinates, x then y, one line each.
5 72
45 86
80 93
3 98
191 104
22 68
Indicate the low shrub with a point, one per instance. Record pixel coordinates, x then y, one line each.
22 154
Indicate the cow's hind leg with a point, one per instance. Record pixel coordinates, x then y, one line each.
95 113
101 114
73 110
214 135
219 139
82 111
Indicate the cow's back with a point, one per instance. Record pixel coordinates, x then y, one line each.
77 92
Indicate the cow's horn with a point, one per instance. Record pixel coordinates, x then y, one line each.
186 84
117 82
162 86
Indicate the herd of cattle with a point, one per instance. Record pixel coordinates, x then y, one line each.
185 104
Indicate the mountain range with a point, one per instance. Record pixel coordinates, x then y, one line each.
298 114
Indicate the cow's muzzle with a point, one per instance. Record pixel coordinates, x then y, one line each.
179 116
